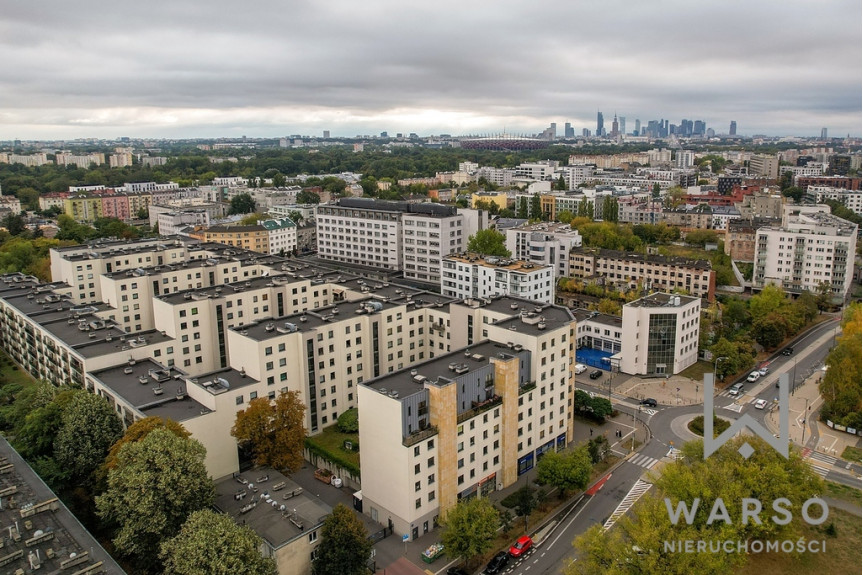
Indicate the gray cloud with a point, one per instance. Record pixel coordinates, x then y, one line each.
272 68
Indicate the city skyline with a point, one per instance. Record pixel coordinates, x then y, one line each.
268 71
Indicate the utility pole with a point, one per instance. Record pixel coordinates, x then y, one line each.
805 420
633 428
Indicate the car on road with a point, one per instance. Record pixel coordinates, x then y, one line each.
761 404
521 546
764 371
649 402
580 368
736 389
753 376
497 563
596 374
788 351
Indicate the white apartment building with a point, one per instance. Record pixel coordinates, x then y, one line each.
172 223
807 250
543 171
136 187
545 243
282 234
574 175
38 159
660 334
762 165
427 239
497 176
82 161
361 232
851 199
471 276
466 423
120 160
684 159
10 203
810 170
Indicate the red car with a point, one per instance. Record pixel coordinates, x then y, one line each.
521 546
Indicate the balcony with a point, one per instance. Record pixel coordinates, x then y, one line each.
418 436
478 407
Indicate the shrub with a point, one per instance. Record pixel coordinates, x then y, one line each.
349 421
696 426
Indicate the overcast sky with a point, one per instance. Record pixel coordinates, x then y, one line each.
174 68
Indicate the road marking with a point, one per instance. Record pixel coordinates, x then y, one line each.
639 489
644 461
562 531
733 407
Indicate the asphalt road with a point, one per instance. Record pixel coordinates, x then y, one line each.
668 429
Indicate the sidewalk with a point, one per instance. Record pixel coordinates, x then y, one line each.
672 390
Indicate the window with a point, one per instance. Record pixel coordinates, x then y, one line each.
431 462
417 486
419 503
239 400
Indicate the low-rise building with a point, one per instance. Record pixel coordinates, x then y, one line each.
254 237
650 272
545 243
469 276
282 235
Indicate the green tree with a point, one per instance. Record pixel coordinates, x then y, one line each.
242 204
14 224
566 471
840 386
600 407
470 528
345 547
158 482
770 330
701 237
275 431
823 296
307 197
598 448
560 184
609 209
525 502
36 417
349 421
608 306
138 431
211 543
523 208
489 243
771 299
88 429
535 207
565 216
794 193
279 180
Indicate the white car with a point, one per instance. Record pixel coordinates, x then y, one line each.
764 370
753 376
761 404
580 368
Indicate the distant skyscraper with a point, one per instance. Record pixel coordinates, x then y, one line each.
732 129
614 127
585 132
600 125
622 124
823 133
326 134
384 135
637 131
700 127
553 130
568 130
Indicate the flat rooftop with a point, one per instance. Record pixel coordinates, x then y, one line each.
51 532
441 368
496 262
138 384
522 315
582 315
660 299
273 505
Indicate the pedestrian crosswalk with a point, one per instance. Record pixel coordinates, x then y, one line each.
639 489
822 471
643 461
823 457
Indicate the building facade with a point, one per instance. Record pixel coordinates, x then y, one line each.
546 244
469 276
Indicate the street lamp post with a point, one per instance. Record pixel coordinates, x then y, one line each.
716 364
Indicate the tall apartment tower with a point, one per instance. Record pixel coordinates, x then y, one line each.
600 125
823 133
568 130
614 127
732 129
637 131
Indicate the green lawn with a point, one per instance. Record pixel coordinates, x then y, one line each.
332 440
11 373
697 370
852 453
843 492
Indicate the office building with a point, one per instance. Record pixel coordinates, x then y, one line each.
660 334
600 129
765 166
732 128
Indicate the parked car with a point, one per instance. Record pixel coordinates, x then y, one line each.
596 374
788 351
753 376
761 404
764 371
736 389
497 563
580 368
648 401
521 546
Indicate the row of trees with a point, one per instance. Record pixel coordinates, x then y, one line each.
635 544
840 386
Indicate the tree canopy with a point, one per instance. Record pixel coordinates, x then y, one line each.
158 482
469 528
211 543
275 431
635 543
567 471
242 204
840 386
88 429
345 547
489 243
